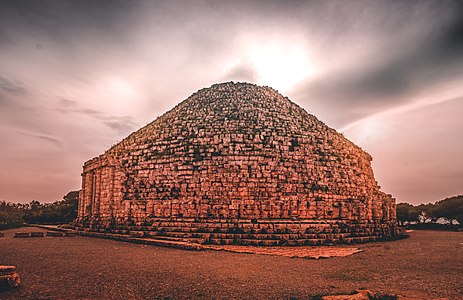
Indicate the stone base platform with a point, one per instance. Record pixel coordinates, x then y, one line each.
250 232
307 252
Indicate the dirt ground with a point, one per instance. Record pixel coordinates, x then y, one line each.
428 264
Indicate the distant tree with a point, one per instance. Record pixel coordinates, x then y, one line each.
35 205
58 212
406 213
451 209
32 211
68 207
426 213
10 215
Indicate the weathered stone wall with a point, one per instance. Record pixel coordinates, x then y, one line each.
234 153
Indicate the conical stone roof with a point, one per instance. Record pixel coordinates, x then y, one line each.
237 151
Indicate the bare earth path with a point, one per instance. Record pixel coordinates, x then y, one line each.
429 264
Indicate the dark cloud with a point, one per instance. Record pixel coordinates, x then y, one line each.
12 86
120 124
62 20
382 82
450 42
49 139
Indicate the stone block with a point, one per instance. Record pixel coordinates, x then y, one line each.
37 234
22 234
54 234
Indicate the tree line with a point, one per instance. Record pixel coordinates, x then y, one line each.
65 211
449 209
59 212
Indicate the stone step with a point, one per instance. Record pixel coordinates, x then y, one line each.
55 234
214 235
263 239
362 239
259 236
226 230
168 243
249 239
37 234
211 230
246 221
190 232
163 242
163 237
234 229
178 237
22 234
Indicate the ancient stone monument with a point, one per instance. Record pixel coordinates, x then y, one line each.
236 163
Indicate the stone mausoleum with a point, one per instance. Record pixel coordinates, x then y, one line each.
236 163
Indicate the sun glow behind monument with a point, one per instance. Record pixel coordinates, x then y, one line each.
280 65
119 92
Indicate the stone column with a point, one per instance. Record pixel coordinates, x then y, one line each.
88 197
96 193
81 205
110 212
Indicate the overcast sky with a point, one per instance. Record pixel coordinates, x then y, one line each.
79 76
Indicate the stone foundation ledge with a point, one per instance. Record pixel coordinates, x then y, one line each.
250 232
236 239
307 252
126 238
198 244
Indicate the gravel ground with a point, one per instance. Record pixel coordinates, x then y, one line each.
428 264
